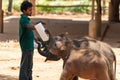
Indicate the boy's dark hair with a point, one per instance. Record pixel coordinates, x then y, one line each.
25 5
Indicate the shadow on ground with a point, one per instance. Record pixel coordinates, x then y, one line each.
7 77
56 26
75 28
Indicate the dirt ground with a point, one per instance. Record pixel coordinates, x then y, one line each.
77 26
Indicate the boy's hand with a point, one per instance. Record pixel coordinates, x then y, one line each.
41 22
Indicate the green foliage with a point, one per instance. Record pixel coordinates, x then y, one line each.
4 4
80 9
60 10
50 10
16 5
65 9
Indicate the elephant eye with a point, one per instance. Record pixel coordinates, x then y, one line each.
55 44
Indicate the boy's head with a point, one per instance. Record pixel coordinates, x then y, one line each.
26 8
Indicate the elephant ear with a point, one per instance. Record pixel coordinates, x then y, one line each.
76 43
65 36
62 35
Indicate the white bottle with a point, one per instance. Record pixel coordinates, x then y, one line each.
41 31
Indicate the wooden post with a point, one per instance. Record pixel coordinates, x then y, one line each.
1 17
10 6
98 18
92 29
92 23
104 7
33 2
110 12
98 24
93 11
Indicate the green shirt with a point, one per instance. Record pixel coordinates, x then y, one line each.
26 35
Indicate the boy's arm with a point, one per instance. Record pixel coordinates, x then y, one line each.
25 23
31 27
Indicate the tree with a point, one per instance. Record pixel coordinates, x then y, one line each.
10 6
114 10
98 18
1 17
33 10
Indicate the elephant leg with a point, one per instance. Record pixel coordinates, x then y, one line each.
112 71
67 74
103 76
75 78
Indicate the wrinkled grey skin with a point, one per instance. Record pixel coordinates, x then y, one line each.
68 49
87 42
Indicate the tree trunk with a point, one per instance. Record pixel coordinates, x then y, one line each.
98 18
33 10
1 17
114 11
10 6
104 7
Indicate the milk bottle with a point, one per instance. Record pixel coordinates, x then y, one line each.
41 31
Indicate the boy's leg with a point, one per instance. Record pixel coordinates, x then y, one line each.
26 65
30 65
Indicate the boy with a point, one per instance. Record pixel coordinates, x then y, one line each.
26 40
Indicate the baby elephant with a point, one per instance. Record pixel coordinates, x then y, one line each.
85 63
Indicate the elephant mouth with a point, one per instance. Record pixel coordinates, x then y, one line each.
54 51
